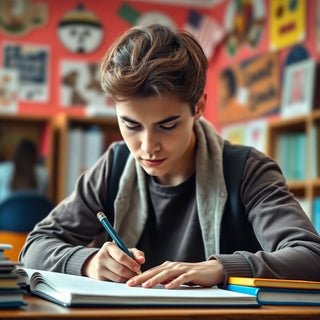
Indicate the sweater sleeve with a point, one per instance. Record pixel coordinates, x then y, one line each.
291 246
61 241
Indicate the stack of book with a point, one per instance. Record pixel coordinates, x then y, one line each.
277 291
10 293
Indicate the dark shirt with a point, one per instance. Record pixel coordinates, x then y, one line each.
172 231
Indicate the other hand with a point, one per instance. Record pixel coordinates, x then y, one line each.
173 274
111 263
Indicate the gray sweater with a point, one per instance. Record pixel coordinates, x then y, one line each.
291 246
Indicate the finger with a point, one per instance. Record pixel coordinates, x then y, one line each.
166 276
138 255
119 262
145 276
178 281
109 275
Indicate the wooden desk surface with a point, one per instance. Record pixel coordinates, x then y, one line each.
41 309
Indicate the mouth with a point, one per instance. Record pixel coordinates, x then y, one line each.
152 162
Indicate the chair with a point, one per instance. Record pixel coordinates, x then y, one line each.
18 215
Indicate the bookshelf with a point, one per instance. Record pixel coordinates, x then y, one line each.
62 124
307 188
36 128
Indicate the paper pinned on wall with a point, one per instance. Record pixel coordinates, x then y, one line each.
9 90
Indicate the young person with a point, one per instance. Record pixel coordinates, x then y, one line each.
172 198
23 173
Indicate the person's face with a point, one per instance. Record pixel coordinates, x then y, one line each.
159 133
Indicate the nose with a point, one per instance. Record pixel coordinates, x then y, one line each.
149 144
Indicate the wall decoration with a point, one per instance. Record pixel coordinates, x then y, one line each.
252 133
19 17
256 134
249 89
206 30
8 91
135 18
244 24
32 63
235 133
80 86
296 54
80 30
287 23
298 85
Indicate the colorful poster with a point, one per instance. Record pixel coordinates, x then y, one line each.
80 30
235 133
298 88
80 85
9 91
18 17
256 134
287 23
32 63
244 24
249 89
252 133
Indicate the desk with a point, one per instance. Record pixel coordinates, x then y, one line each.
41 309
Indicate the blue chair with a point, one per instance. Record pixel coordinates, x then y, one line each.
18 215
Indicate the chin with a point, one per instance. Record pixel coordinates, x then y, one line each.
155 172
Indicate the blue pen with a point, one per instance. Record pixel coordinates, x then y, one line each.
113 234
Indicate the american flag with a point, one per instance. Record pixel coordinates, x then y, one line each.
206 30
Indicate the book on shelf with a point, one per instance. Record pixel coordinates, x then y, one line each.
314 151
277 291
291 155
93 146
74 158
306 205
70 290
316 214
85 146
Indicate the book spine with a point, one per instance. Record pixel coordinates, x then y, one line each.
316 214
74 158
243 289
299 160
93 146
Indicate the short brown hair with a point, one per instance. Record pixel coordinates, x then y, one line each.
154 60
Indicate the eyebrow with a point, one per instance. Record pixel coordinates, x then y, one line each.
165 120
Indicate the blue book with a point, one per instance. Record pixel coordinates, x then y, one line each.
279 296
299 159
316 214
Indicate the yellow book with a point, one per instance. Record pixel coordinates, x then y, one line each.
275 283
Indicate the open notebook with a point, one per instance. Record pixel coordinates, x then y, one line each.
68 290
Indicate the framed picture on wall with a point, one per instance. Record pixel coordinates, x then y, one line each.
298 86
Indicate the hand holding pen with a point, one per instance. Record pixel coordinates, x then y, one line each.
113 234
113 261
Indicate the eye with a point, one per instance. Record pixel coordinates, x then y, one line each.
132 126
169 126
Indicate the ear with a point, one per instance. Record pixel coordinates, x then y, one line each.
201 105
